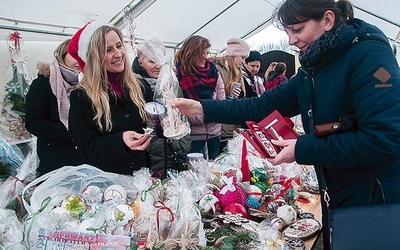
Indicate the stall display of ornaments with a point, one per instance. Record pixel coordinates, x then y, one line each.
209 209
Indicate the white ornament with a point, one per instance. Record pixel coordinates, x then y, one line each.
208 202
122 214
287 213
92 195
257 191
115 193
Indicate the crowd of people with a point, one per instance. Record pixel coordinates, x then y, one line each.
348 71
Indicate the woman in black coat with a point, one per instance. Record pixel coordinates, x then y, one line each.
107 113
47 106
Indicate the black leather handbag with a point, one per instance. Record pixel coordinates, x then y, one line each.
365 227
369 227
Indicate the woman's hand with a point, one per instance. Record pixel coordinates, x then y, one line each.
136 141
188 106
287 153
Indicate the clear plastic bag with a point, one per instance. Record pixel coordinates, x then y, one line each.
174 124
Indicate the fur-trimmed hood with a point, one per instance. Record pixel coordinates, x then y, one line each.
44 69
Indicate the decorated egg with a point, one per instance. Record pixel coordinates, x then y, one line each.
122 214
280 201
252 202
287 213
262 186
277 223
74 204
272 207
257 194
92 195
258 175
136 206
236 208
115 193
208 203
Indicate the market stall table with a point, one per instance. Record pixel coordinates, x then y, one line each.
314 208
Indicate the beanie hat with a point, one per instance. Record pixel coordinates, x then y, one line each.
254 56
79 44
237 47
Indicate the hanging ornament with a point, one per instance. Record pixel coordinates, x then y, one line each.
15 41
129 19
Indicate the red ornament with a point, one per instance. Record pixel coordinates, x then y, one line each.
236 208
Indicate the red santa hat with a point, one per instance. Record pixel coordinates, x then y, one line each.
79 44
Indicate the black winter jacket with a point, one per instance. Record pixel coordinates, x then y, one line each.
358 76
55 147
106 150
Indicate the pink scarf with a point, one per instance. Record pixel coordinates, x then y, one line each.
61 88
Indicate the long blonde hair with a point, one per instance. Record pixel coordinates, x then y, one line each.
232 73
95 81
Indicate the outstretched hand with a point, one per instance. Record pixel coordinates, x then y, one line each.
287 154
188 106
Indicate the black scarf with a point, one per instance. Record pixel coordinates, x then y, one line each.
314 53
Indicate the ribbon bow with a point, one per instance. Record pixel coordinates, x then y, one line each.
161 206
229 185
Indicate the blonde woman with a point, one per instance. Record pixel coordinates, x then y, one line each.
107 113
230 68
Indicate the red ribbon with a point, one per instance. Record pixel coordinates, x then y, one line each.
16 38
286 186
15 194
161 206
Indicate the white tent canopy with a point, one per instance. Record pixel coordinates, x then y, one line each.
170 20
43 24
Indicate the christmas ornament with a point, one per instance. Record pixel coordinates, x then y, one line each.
115 194
235 218
252 202
74 204
92 195
287 213
122 214
236 208
277 223
231 192
302 229
208 203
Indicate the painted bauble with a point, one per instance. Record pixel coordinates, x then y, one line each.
272 207
280 201
287 213
74 204
262 186
92 195
236 208
252 202
115 193
257 192
122 214
277 223
208 203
